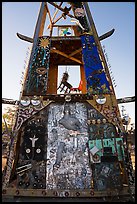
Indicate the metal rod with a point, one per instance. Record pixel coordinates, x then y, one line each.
27 165
19 172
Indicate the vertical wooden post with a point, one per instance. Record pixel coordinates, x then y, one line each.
37 33
39 28
83 78
52 79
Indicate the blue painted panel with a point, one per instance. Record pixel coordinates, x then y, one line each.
95 76
37 78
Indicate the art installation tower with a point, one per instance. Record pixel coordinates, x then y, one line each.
67 141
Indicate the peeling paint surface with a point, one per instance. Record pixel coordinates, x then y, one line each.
68 162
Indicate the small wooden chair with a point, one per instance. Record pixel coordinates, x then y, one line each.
78 89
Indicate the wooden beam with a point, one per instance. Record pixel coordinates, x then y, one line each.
68 25
51 24
25 38
61 9
119 100
126 99
56 12
75 52
28 39
83 78
65 55
55 21
52 79
106 35
42 21
48 13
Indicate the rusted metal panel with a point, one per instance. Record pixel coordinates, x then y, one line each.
62 193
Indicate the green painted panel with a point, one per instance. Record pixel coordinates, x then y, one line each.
114 143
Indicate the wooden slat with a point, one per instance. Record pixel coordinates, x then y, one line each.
48 13
67 56
56 12
75 52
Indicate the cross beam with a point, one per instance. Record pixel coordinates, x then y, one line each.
120 100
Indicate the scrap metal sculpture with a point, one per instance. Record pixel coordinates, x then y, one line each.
67 145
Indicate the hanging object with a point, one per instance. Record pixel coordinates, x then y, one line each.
78 23
80 16
64 85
